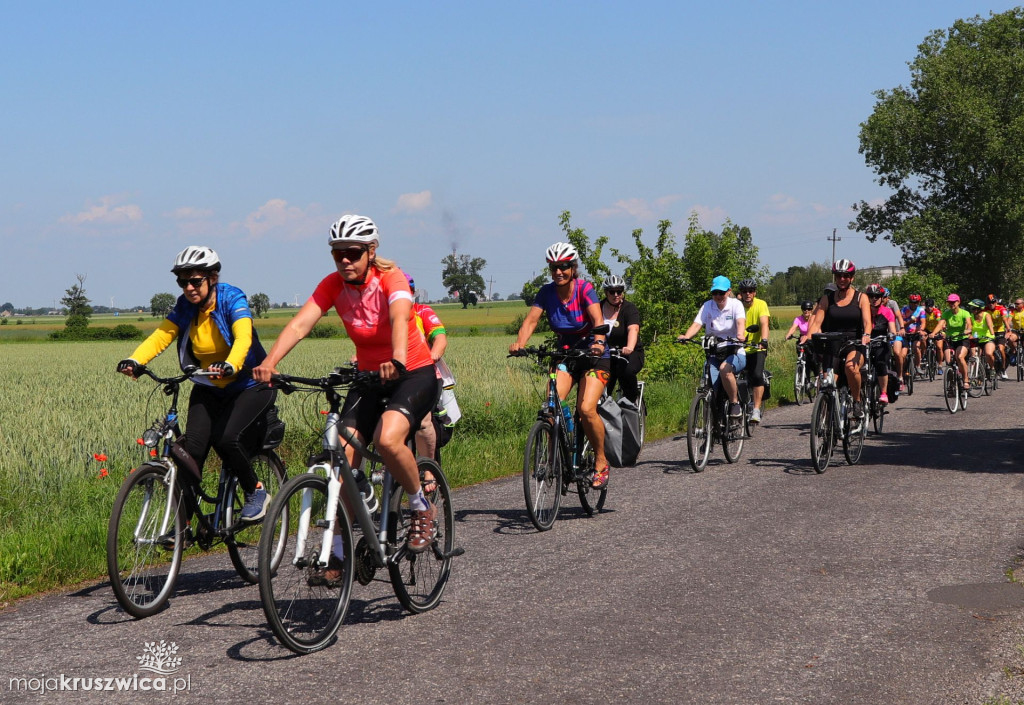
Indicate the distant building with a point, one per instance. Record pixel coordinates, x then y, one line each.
886 272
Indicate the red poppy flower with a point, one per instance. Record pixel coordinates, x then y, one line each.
99 457
103 472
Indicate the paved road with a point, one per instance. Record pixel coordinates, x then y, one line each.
759 582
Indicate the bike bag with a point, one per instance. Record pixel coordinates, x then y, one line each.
273 429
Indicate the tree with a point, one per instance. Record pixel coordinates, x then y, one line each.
590 258
9 307
797 284
530 288
462 274
915 281
949 147
260 304
77 305
161 304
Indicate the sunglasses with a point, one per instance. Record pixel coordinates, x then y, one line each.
748 291
844 275
352 254
560 266
874 297
194 282
719 293
616 292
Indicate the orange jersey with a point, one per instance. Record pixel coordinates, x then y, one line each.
365 311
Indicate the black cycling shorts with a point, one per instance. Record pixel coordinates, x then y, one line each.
755 368
414 395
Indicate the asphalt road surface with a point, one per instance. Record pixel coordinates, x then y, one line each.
758 582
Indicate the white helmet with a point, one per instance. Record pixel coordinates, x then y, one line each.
353 229
196 257
613 281
561 252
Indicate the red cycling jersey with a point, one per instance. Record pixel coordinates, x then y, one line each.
364 309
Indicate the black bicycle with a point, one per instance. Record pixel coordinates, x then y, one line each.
930 363
158 513
558 454
804 383
872 387
312 518
832 416
709 420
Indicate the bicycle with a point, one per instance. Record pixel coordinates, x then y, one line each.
557 454
641 404
911 370
312 518
977 373
930 361
151 522
804 388
709 421
832 413
954 388
872 388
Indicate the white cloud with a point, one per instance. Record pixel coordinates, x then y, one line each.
107 212
638 208
709 217
414 202
785 210
289 221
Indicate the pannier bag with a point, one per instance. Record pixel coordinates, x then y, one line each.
273 432
621 431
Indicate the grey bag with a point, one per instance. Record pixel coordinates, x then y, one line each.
621 431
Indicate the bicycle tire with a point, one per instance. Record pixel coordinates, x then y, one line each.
910 380
732 447
243 544
1020 369
950 391
591 500
698 432
853 440
303 611
800 384
643 425
144 569
542 475
419 579
822 432
976 387
876 408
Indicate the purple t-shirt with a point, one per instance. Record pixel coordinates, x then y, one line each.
569 320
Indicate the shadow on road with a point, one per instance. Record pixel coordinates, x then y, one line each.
951 449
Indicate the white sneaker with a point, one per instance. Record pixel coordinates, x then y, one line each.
1002 375
755 416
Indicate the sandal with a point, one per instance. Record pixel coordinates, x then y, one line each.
428 482
600 480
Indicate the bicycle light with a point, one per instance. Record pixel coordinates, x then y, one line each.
150 438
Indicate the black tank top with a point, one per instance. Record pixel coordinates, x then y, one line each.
843 319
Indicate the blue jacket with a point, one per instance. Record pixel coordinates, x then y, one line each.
232 305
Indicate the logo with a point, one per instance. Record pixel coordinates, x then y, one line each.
160 658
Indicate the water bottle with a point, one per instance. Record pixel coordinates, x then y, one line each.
567 415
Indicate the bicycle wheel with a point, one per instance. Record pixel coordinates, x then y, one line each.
698 432
950 391
1020 367
145 541
974 376
419 579
732 439
823 434
542 475
800 383
909 381
243 544
875 407
853 436
591 500
303 608
930 364
995 377
643 424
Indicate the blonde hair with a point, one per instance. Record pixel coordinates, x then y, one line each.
382 265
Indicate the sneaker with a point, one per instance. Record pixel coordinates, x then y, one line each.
902 386
1002 375
735 411
255 505
858 410
883 398
755 416
331 576
422 530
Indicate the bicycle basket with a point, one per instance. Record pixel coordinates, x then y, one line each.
273 429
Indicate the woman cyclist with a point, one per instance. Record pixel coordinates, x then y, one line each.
573 311
724 317
371 296
623 319
983 332
845 311
213 325
883 322
801 324
956 325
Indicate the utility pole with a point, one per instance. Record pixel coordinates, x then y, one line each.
834 240
490 290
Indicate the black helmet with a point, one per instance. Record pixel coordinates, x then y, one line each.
748 284
806 305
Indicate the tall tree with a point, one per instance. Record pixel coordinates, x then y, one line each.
161 304
462 274
949 145
260 304
77 305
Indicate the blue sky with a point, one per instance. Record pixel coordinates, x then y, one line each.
130 130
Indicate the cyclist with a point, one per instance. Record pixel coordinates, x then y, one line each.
372 298
845 311
956 325
724 317
802 324
882 322
213 326
899 351
623 317
913 315
573 310
757 343
932 316
1000 324
982 331
1016 326
433 330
